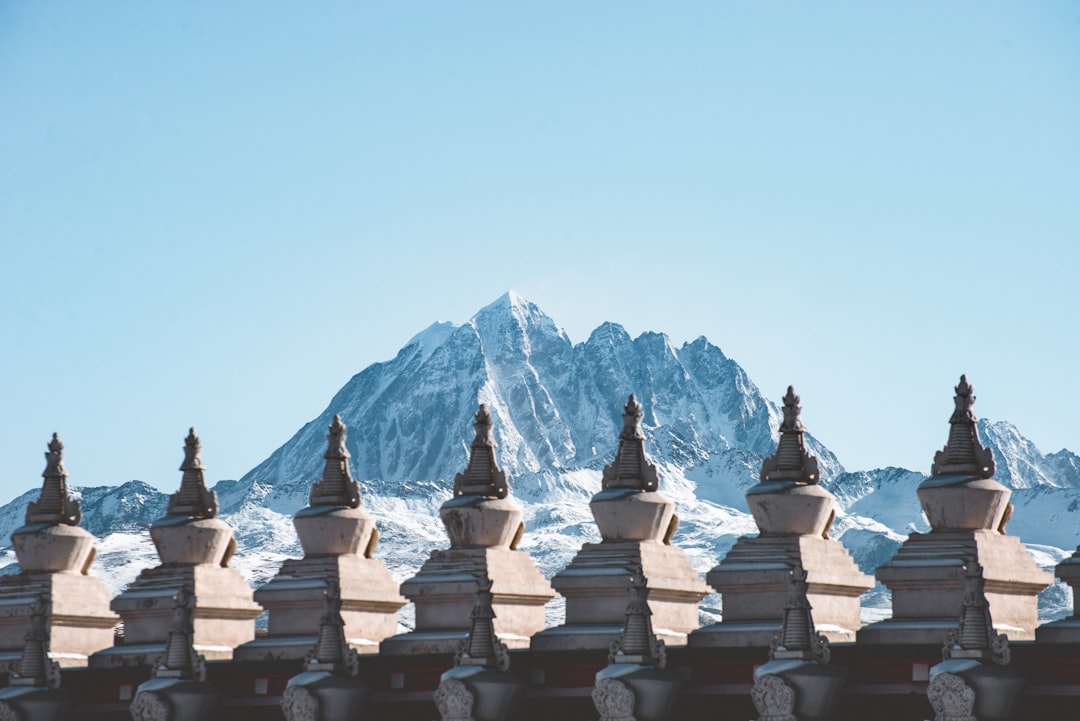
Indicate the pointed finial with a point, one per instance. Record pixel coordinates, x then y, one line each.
632 415
180 659
637 643
791 462
54 506
631 467
193 499
482 477
34 667
337 488
792 411
332 652
975 638
798 638
482 647
963 454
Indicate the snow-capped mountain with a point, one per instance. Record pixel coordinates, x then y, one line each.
556 406
557 414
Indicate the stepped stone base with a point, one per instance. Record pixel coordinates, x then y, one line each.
295 599
1067 630
80 622
926 577
753 579
444 591
224 614
595 586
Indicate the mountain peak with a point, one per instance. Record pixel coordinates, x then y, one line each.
510 301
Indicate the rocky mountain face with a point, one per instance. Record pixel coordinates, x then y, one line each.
557 414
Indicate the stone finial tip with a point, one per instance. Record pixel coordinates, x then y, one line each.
56 445
631 467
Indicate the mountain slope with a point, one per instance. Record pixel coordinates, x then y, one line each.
557 409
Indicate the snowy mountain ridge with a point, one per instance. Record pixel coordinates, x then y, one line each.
557 409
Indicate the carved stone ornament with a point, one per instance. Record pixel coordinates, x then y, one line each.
774 699
482 477
193 499
614 700
454 701
54 505
10 713
822 649
298 704
963 454
150 707
337 487
999 649
791 462
631 467
952 699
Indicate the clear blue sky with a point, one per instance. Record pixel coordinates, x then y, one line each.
216 213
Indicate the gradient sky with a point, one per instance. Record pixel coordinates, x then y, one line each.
216 213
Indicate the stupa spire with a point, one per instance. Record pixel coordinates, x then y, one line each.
332 651
180 660
798 638
337 488
54 505
975 638
193 499
34 666
637 643
963 454
791 462
631 467
482 477
482 647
